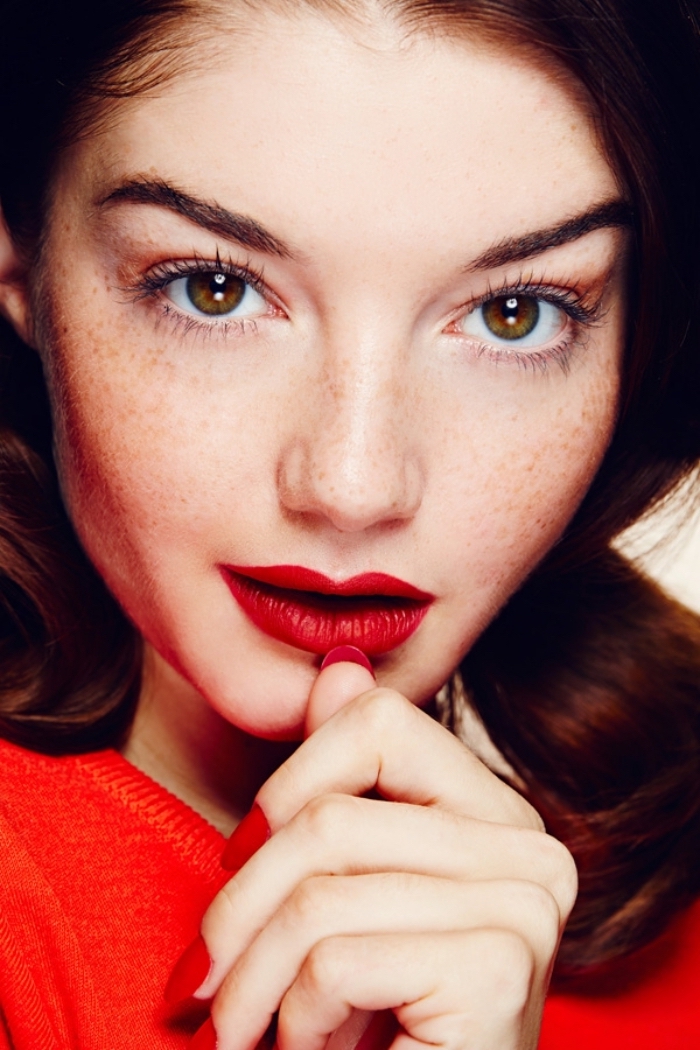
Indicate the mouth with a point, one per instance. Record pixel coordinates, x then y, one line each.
308 610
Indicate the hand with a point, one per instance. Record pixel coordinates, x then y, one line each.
443 900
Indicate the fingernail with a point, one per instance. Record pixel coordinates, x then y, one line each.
348 654
380 1032
205 1037
252 833
191 970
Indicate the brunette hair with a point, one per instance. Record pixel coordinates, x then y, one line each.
589 679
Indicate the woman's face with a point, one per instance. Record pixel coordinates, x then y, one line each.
339 302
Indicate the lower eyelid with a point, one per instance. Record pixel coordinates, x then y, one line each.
536 361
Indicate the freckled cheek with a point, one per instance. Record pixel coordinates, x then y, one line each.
139 453
516 485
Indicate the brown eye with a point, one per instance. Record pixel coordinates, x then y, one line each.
511 316
523 322
215 293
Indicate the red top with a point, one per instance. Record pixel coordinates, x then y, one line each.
104 877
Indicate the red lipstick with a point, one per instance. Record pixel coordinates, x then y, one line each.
304 608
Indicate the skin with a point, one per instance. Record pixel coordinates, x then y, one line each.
355 422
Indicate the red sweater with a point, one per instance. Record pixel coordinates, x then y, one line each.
104 877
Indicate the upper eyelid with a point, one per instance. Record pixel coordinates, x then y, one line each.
571 302
165 273
174 269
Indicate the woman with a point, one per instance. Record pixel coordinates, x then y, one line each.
361 325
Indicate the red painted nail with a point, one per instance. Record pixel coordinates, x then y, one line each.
380 1032
190 971
204 1038
252 833
348 654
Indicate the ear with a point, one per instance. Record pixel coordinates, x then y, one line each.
14 286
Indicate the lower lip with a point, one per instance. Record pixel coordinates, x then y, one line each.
319 622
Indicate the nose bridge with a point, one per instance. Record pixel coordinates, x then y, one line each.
353 459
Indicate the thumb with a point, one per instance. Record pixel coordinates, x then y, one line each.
345 674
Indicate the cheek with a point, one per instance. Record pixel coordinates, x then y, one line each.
140 460
515 479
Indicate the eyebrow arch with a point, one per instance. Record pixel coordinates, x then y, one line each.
610 214
209 216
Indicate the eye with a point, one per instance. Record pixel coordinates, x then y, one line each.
521 320
214 293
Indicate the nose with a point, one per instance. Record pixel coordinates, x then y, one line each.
353 458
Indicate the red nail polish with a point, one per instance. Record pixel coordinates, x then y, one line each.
252 833
349 654
380 1032
204 1038
190 971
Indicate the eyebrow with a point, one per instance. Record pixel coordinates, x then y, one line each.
252 234
209 216
614 213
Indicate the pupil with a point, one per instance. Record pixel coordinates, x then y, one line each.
510 311
218 287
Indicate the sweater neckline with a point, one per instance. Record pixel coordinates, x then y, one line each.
196 841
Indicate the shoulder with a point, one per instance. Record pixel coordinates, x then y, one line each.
32 783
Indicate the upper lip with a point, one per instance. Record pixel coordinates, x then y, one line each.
298 578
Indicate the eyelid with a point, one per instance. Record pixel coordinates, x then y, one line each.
582 309
573 303
165 273
153 285
169 270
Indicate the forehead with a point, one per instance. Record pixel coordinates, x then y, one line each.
316 120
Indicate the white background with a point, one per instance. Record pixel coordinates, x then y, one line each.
668 545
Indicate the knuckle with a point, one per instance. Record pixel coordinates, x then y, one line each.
381 710
522 815
323 969
539 900
309 903
509 967
530 816
564 876
326 815
546 917
557 870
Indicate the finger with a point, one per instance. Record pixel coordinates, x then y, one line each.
335 687
457 990
328 906
342 835
381 741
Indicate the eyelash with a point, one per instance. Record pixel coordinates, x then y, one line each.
583 314
152 284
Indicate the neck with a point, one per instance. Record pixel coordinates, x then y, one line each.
182 743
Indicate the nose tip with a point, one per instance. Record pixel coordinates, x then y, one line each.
355 484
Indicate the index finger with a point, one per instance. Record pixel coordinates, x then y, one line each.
380 741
